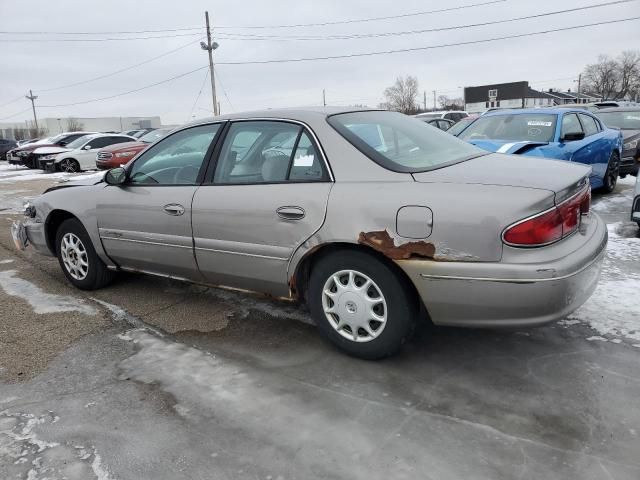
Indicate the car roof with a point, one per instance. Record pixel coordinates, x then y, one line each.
302 114
544 111
619 109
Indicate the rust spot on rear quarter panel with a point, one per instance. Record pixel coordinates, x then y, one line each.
383 243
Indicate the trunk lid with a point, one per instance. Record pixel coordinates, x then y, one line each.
557 176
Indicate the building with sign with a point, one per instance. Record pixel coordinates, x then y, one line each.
504 95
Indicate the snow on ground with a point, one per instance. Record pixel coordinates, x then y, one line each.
40 301
613 202
614 309
31 457
12 201
12 173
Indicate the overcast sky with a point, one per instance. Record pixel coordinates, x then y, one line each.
551 60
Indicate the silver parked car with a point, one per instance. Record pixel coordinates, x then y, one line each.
372 218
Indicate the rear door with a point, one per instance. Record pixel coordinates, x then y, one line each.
600 147
267 196
145 224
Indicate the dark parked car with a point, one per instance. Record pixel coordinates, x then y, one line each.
5 146
626 119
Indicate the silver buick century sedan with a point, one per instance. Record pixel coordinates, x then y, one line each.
374 219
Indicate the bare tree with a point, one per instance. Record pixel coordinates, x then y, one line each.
34 132
402 96
614 79
448 103
73 125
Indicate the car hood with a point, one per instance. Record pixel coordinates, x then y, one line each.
50 150
81 181
33 146
630 134
124 146
511 170
503 146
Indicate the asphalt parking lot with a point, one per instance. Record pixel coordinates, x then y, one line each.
155 379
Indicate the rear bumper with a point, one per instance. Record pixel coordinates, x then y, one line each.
511 294
629 166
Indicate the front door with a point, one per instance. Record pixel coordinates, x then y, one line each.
268 195
145 224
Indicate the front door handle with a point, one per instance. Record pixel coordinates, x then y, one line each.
173 209
290 213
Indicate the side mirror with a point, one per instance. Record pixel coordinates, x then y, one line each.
116 176
87 147
571 136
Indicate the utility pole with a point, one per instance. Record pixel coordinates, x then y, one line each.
210 47
579 85
324 98
434 99
424 93
33 97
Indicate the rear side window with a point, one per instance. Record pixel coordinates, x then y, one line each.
589 124
401 143
570 124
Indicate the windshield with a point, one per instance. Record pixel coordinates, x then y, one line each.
78 142
623 120
155 135
460 126
401 143
520 127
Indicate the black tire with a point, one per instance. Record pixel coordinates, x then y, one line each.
97 274
69 165
611 176
402 306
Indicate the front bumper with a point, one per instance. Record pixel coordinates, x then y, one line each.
507 294
31 233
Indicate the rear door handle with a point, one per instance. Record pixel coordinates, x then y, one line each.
173 209
290 213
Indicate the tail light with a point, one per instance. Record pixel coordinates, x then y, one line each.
551 225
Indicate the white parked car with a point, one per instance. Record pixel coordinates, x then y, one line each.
78 155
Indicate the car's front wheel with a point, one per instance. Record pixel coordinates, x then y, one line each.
611 176
361 304
69 165
78 259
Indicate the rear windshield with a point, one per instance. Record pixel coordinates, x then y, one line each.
401 143
535 127
623 120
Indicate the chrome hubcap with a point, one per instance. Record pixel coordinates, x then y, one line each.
74 256
354 306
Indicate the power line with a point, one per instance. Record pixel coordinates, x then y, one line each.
11 101
224 91
16 114
239 36
128 92
362 20
14 32
206 75
117 71
13 40
428 47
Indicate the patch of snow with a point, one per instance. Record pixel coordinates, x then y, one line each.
40 301
27 176
568 323
6 262
119 314
597 338
100 472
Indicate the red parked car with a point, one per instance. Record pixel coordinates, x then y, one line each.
120 154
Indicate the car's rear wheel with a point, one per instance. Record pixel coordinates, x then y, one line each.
78 259
611 176
361 304
69 165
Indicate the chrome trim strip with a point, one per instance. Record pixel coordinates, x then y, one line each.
255 255
514 280
145 242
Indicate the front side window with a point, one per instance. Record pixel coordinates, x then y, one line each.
628 120
401 143
533 127
571 124
267 152
78 142
175 160
589 124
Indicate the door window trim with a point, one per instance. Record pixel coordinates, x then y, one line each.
304 128
205 162
598 128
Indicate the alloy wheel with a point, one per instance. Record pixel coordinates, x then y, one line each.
354 306
74 256
68 165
